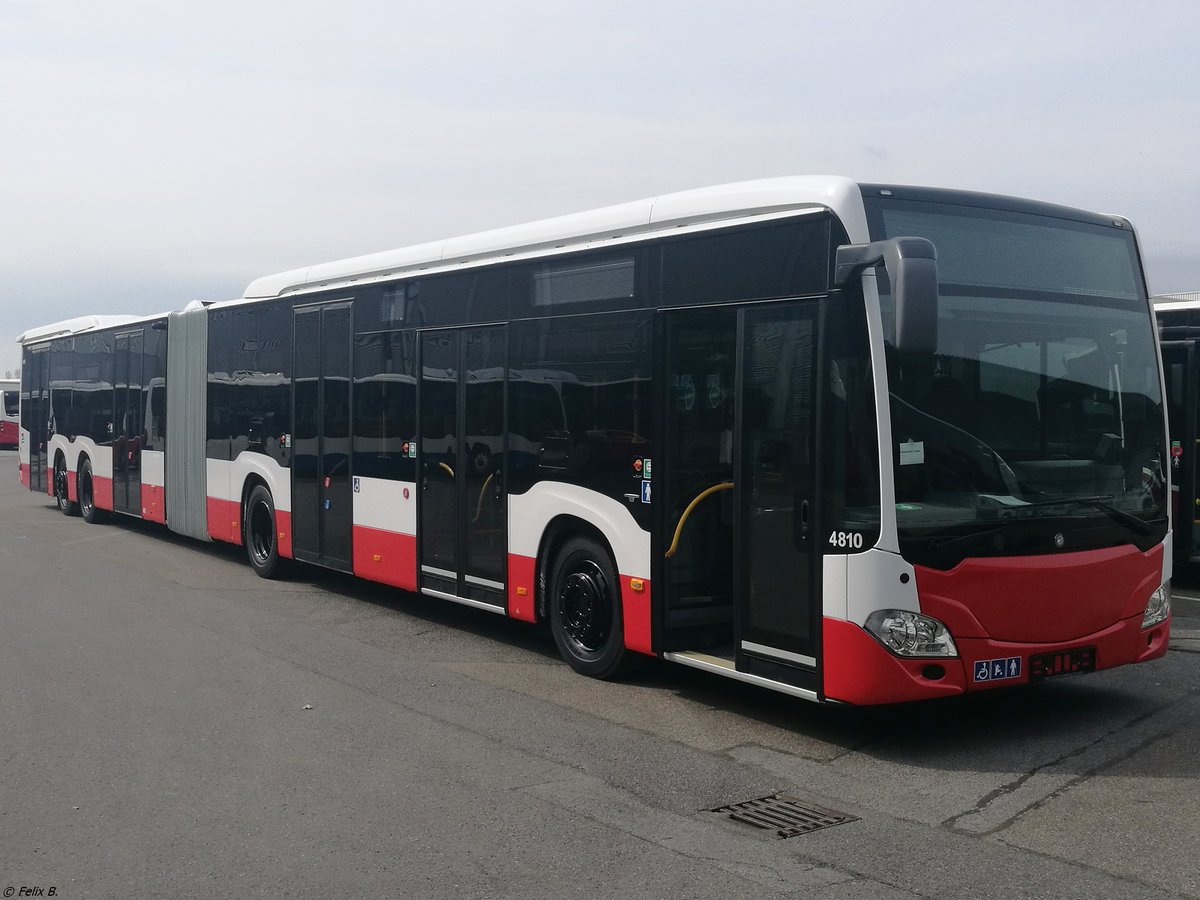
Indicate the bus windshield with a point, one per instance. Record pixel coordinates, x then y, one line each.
1036 426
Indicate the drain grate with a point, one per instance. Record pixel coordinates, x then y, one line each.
787 816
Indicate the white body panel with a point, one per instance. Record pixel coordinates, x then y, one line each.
225 478
873 581
154 468
385 505
833 586
531 512
100 457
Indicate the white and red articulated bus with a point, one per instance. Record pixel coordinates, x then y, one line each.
852 442
10 403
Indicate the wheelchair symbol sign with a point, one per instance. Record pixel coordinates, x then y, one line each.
997 669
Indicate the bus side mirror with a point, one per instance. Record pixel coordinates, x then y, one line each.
911 264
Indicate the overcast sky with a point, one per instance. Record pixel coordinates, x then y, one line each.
153 153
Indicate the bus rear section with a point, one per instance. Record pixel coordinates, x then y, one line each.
93 415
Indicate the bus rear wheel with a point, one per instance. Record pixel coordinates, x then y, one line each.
585 609
62 495
87 496
261 537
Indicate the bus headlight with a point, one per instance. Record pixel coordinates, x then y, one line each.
908 633
1159 606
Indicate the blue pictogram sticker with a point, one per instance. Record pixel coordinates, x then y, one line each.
997 669
645 491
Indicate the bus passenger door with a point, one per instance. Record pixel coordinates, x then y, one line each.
321 486
697 478
1179 366
38 418
778 546
127 423
462 524
740 548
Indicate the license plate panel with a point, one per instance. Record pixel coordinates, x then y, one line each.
1062 662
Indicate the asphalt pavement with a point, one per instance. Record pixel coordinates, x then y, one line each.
173 726
1185 611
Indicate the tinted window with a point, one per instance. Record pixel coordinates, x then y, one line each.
12 402
155 386
220 367
1019 252
580 400
587 280
385 422
777 260
439 300
580 282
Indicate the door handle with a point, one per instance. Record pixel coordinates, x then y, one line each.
802 520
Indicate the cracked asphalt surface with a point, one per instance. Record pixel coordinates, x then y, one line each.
172 726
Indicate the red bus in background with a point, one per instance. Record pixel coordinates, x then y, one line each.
10 413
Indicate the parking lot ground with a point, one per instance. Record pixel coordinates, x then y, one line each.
171 725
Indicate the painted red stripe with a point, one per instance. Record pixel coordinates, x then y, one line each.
635 609
1056 597
522 576
102 492
385 556
283 525
154 507
24 474
224 520
9 433
73 487
858 670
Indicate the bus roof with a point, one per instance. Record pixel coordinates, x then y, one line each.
1187 300
79 325
641 218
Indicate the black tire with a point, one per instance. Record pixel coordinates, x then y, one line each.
61 492
585 609
87 495
260 536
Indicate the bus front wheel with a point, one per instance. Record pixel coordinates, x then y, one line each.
585 609
261 541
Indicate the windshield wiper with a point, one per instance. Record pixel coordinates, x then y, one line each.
1100 502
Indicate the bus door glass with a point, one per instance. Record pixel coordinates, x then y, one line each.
39 418
462 522
778 541
127 423
1179 365
697 478
740 540
321 486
